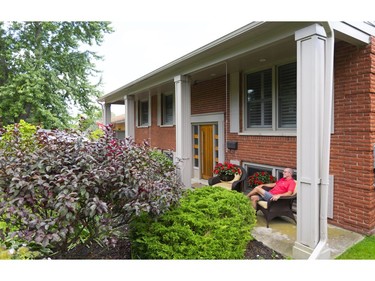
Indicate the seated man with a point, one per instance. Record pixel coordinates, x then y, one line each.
283 187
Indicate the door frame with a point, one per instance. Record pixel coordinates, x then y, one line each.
212 118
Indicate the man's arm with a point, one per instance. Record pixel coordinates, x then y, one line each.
277 196
272 184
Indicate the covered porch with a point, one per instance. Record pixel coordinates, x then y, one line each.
282 235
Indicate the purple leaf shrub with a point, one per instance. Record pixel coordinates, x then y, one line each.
69 187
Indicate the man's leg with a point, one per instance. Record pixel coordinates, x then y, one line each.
254 200
256 191
254 195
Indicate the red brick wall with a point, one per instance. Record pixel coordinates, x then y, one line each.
353 138
153 133
274 151
209 96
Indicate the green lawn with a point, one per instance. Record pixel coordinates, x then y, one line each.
364 250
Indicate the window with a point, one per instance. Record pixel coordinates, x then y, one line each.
259 99
287 93
266 107
167 109
143 113
196 145
277 172
251 170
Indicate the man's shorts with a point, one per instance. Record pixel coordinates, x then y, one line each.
267 196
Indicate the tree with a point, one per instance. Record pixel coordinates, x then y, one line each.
45 67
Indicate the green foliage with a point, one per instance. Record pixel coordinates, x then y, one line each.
70 190
12 247
96 134
45 67
22 135
164 160
21 253
364 250
209 223
87 125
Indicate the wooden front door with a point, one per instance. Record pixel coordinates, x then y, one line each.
206 150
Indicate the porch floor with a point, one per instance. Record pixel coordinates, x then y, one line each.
282 233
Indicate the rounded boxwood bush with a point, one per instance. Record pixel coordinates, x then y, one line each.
209 223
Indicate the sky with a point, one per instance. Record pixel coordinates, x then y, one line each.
137 48
151 33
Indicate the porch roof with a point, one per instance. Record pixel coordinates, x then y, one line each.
252 45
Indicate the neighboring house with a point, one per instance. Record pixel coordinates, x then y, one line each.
119 125
119 122
260 97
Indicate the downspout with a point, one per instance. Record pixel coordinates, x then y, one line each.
226 108
326 139
102 106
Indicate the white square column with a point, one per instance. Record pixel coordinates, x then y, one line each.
107 114
311 77
129 116
183 128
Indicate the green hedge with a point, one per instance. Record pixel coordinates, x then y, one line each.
209 223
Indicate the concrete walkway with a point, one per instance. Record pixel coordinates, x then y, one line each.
282 233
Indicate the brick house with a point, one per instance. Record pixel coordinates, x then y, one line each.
270 90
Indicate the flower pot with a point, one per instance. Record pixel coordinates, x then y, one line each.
226 177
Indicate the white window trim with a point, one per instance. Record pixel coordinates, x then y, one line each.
273 130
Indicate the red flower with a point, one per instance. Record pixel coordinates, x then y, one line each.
260 178
226 169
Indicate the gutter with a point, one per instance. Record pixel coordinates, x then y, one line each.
318 252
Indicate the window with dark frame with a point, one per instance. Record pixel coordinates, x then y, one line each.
277 172
287 96
143 113
167 109
259 100
251 170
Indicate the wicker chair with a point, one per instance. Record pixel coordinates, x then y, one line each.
282 207
236 184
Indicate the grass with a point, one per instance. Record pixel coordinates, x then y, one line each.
364 250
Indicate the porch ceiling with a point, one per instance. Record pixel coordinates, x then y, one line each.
280 52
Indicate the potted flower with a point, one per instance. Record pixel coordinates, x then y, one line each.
226 171
260 178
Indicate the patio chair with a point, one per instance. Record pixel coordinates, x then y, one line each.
282 207
236 184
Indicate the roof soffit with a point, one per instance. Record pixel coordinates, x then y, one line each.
248 39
